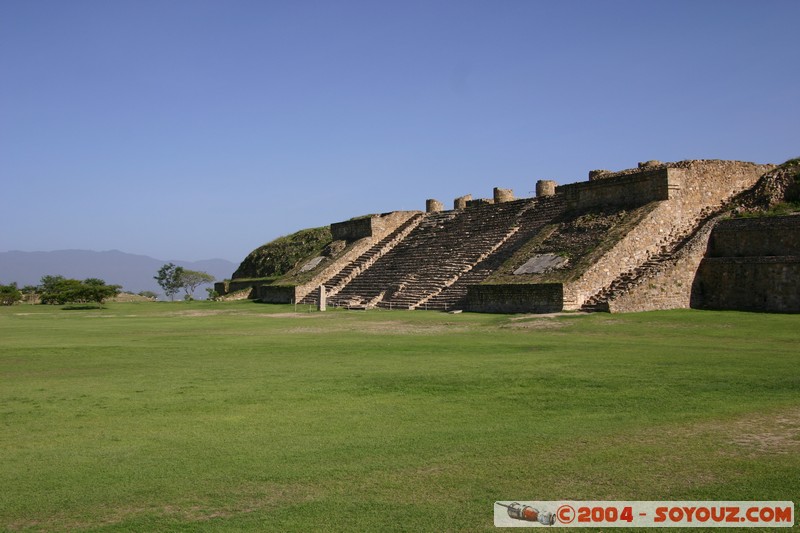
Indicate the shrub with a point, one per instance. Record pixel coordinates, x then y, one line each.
60 290
9 294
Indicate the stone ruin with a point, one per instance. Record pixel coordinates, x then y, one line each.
545 188
502 195
461 201
623 241
433 206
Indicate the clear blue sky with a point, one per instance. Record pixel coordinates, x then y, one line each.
191 129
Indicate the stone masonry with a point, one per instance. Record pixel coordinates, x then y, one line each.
449 259
683 195
752 264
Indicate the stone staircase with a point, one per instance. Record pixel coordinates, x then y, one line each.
530 222
423 303
655 263
365 260
433 257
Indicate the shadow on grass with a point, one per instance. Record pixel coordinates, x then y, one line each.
82 307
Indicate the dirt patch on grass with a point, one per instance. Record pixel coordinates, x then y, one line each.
407 328
199 312
241 500
547 315
777 433
229 312
382 328
282 315
538 323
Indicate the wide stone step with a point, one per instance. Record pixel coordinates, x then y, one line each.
442 250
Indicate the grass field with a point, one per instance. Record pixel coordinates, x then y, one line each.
239 416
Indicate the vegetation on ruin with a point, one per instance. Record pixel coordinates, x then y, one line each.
793 164
361 217
777 210
210 416
581 238
265 278
777 193
296 277
281 255
791 195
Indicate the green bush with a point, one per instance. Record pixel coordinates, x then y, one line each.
9 294
60 290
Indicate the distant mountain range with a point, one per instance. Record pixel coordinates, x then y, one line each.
134 272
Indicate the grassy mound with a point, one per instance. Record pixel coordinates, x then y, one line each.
281 255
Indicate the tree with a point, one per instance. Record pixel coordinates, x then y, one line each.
169 279
50 289
9 294
96 290
60 290
191 279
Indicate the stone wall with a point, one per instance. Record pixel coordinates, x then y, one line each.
277 294
625 190
598 174
221 287
227 287
749 284
753 265
710 182
644 240
479 202
699 182
745 264
671 285
515 298
692 187
352 230
747 237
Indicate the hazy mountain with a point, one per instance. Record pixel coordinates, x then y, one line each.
134 272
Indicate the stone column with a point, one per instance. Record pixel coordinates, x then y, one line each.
322 298
545 188
433 206
503 195
461 201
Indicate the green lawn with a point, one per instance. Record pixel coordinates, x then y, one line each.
240 416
